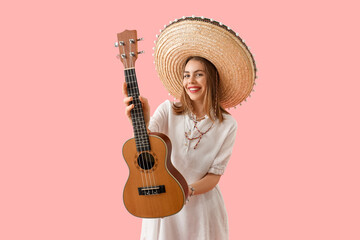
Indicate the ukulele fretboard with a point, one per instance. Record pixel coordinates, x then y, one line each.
137 115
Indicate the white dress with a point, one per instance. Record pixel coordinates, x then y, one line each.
204 217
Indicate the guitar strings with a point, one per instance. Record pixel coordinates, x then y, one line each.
131 93
143 132
149 162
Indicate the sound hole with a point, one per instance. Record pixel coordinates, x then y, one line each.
146 161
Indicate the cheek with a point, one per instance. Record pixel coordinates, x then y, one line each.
184 84
203 82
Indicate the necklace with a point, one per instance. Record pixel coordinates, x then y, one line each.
201 133
199 119
195 118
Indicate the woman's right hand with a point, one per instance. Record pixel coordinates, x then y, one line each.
144 103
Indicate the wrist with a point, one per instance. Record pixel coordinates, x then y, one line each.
192 191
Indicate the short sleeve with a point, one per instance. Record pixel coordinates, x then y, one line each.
159 120
223 156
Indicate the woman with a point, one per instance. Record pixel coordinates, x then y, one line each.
201 131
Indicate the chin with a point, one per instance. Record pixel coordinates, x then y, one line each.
196 98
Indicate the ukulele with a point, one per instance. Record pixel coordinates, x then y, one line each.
154 188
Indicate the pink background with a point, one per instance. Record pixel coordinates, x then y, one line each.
294 173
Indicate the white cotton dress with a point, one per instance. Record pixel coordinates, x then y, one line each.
204 217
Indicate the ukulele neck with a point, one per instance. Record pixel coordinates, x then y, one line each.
137 114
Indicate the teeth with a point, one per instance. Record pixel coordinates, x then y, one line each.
193 89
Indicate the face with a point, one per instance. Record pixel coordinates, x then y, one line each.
194 80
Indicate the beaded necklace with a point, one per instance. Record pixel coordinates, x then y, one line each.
201 133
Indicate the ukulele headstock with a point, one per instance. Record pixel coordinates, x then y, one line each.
128 47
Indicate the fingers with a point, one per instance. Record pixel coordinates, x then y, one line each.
129 106
125 89
143 100
127 100
128 109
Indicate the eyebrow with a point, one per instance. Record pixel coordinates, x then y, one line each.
199 70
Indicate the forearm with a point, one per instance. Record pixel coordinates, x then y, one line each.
205 184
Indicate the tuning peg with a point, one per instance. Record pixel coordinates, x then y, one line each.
120 43
140 39
141 52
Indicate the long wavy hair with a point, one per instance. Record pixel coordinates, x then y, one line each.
211 100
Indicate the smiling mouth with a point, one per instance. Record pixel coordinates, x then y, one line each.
194 89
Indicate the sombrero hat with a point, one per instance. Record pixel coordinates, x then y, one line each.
203 37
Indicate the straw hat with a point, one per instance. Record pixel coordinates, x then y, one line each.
203 37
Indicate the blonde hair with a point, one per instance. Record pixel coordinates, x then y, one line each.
211 100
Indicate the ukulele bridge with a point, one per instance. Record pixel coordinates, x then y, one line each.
153 190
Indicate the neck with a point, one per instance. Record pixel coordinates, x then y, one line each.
198 109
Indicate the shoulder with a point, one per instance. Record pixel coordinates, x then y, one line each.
164 106
229 121
228 126
166 103
169 106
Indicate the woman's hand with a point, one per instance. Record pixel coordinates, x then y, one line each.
144 103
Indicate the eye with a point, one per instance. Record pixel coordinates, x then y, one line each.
199 74
186 75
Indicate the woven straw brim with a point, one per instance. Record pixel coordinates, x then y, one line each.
213 41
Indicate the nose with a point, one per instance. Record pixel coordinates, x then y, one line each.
191 79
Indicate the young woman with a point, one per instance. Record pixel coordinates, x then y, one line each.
202 132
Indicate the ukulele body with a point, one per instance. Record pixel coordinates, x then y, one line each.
154 189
